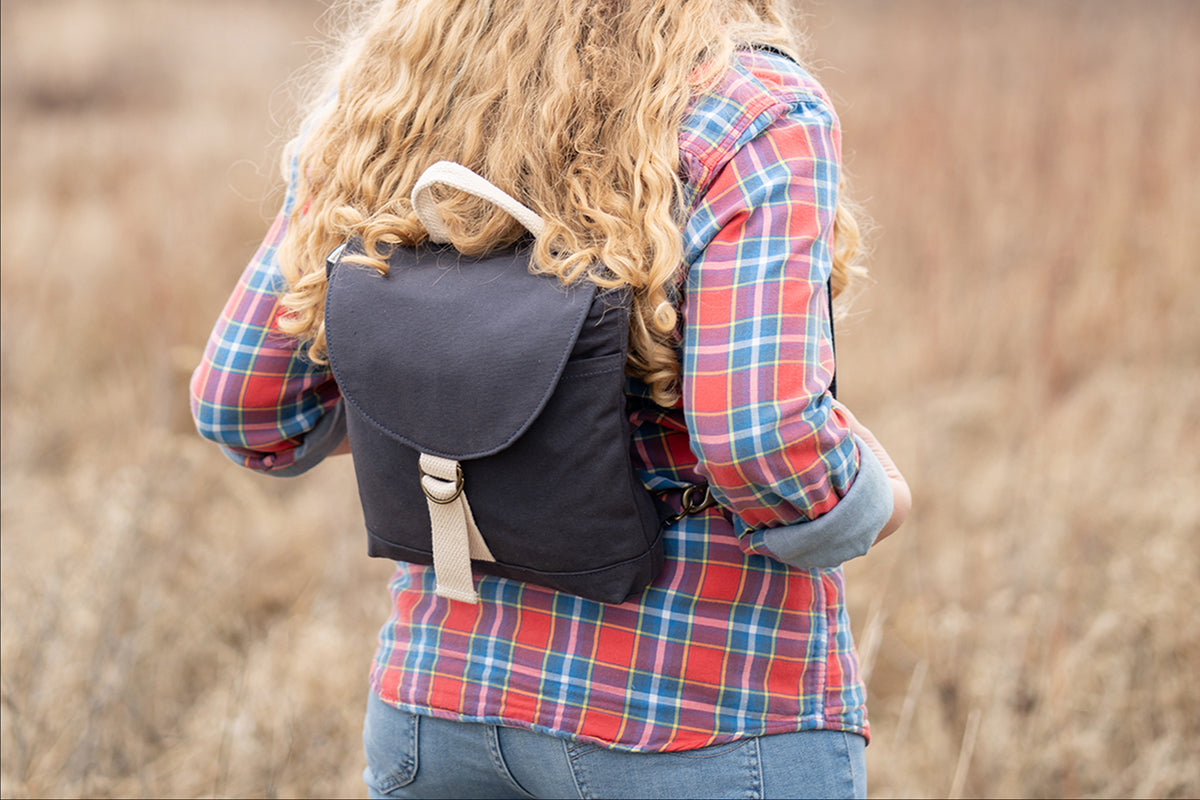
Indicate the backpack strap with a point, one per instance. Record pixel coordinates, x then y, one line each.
455 536
832 338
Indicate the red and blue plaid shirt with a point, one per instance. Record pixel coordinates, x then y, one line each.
728 642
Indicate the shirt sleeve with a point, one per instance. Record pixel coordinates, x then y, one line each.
757 349
255 393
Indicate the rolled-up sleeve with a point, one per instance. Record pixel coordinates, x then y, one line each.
758 353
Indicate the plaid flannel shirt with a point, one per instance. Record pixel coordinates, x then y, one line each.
728 642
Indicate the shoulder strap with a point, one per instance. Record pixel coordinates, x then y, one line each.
832 338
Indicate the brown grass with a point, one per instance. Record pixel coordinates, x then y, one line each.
173 626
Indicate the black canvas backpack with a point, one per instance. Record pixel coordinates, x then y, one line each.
486 413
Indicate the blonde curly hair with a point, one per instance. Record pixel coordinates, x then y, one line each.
571 106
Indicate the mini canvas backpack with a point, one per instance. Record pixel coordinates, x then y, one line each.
486 413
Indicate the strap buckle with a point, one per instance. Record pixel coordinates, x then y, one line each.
458 485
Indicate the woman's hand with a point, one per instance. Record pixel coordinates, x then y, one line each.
901 494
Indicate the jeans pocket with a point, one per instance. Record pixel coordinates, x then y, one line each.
390 742
720 771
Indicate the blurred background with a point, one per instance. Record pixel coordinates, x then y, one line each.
1029 351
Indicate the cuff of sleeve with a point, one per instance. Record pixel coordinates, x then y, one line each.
845 532
318 443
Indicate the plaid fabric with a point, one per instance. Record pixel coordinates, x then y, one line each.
727 642
254 392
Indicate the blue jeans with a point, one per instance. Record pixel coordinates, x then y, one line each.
417 756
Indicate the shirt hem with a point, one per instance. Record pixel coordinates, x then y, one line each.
672 745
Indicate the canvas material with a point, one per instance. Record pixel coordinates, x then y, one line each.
478 360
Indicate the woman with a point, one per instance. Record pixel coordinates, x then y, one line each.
678 144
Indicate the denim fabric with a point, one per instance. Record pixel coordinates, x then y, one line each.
846 532
419 756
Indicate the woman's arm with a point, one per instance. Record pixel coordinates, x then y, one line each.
254 392
758 357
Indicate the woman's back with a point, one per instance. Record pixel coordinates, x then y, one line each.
724 644
670 153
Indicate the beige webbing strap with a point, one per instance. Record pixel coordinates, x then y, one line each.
449 173
456 538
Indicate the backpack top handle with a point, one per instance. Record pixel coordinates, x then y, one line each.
457 176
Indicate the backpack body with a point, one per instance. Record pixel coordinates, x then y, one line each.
513 386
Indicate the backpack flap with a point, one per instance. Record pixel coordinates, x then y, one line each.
439 355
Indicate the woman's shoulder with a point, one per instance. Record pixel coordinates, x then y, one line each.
760 87
767 69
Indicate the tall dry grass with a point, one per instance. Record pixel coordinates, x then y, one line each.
173 626
1031 350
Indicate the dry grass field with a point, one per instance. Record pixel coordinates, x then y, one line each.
175 626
